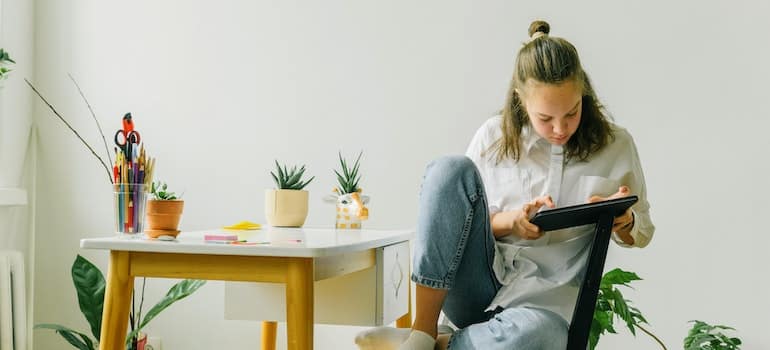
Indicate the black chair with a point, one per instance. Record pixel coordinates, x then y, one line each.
580 327
603 216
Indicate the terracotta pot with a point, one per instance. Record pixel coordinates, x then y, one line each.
139 344
163 217
286 208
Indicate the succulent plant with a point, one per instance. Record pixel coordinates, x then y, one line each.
348 180
159 191
290 179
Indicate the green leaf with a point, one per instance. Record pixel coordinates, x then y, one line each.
90 285
281 175
344 166
178 292
618 276
71 336
703 336
302 185
290 179
293 179
343 183
277 183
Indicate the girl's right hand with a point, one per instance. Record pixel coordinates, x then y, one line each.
518 220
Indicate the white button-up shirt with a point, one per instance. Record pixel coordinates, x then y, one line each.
547 272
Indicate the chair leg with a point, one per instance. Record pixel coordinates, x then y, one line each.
269 334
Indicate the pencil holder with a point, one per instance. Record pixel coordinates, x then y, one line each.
129 203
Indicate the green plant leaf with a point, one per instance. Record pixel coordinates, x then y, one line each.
289 179
610 303
344 166
90 285
703 336
177 292
71 336
302 185
343 184
277 183
618 276
294 178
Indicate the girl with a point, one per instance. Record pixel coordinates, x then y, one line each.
501 281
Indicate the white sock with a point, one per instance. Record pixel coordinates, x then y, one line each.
418 340
382 338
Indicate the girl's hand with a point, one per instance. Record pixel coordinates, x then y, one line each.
623 223
520 224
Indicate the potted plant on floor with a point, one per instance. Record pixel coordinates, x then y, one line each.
704 336
90 286
350 204
611 304
286 205
164 210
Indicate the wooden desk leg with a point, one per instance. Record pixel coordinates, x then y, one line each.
268 334
117 300
406 320
299 304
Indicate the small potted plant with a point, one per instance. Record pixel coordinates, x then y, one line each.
286 205
164 210
351 209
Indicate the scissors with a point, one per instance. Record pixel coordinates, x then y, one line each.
125 138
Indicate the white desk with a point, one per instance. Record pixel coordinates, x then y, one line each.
295 257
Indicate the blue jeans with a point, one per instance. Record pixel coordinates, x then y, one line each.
454 250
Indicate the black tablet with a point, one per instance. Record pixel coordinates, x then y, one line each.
581 214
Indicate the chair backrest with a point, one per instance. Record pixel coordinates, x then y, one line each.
580 327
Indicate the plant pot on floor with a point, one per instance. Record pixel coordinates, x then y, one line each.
139 343
286 208
163 217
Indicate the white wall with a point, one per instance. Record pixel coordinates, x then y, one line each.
16 162
220 89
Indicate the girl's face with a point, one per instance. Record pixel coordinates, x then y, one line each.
554 109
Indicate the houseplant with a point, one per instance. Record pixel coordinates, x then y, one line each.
611 304
286 205
164 210
704 336
90 286
351 209
5 59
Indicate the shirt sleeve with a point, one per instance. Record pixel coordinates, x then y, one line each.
643 228
480 144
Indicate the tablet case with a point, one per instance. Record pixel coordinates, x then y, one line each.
581 214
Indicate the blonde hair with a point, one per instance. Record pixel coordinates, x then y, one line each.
551 60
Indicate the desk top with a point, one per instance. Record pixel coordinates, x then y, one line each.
271 241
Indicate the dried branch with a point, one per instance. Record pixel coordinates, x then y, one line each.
106 168
106 148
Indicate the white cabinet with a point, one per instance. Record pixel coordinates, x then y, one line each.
372 296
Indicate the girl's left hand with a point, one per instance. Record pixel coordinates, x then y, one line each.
623 223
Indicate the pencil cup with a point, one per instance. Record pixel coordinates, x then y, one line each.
129 203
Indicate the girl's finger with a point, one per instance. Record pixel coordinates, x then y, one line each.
544 200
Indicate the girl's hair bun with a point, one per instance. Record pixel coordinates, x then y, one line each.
539 26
